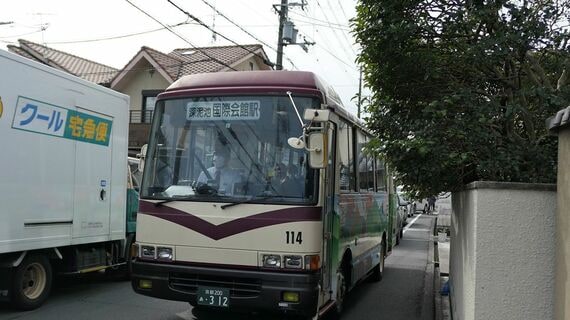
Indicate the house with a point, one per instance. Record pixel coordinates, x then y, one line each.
77 66
148 73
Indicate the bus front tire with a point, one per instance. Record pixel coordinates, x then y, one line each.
340 294
32 282
378 270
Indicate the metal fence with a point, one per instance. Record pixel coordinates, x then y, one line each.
140 116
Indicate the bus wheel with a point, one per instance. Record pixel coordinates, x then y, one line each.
32 282
340 294
378 270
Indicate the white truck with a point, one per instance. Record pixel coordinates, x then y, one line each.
63 178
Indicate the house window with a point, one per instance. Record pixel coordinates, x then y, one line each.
250 65
148 101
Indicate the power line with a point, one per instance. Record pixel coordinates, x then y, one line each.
244 30
267 62
181 37
312 23
20 35
119 37
342 10
237 25
334 31
334 56
328 23
343 33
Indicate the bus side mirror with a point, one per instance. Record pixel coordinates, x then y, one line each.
142 157
316 154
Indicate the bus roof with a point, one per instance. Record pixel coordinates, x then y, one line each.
263 79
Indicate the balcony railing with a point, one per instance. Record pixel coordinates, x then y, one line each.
140 116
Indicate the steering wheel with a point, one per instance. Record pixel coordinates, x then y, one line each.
206 189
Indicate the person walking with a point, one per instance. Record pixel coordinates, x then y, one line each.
431 204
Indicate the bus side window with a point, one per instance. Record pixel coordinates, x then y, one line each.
346 157
380 172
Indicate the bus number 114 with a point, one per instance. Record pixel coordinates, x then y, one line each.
294 237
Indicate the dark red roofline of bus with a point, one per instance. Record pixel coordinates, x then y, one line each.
300 79
257 82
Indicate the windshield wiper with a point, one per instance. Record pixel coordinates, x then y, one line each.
252 199
258 197
173 198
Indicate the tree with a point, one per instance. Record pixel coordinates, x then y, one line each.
462 89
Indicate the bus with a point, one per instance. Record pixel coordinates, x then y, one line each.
297 216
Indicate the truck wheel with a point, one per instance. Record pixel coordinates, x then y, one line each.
32 282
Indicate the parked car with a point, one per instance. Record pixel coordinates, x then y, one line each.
403 209
404 202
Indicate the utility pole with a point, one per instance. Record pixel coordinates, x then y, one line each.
283 11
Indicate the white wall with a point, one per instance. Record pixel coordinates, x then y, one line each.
502 251
562 291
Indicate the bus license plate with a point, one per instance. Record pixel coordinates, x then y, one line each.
215 297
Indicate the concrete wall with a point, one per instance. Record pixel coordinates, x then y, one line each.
562 290
502 251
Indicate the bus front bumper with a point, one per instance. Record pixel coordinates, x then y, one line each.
250 290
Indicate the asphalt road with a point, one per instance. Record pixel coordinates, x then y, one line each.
401 294
404 292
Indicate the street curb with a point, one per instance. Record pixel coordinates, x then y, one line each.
437 296
429 303
436 278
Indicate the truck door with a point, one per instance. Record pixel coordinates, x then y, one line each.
92 175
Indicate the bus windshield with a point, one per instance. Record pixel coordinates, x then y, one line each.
228 149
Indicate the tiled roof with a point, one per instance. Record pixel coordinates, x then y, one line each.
199 60
83 68
182 62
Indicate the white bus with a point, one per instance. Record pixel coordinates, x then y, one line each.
257 196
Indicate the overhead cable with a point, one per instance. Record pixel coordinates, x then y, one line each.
121 36
181 37
244 30
264 59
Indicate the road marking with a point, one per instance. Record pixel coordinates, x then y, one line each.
186 315
412 223
414 229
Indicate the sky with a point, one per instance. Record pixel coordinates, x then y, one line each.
121 30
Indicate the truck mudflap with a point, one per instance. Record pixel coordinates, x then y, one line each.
5 276
246 290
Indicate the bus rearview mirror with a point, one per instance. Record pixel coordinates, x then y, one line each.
296 143
316 154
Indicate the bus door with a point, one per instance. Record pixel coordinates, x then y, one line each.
328 210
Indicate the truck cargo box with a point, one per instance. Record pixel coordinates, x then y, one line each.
63 154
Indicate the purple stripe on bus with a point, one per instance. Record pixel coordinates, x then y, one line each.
233 227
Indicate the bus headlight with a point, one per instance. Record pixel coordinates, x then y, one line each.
293 262
148 252
271 260
164 253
